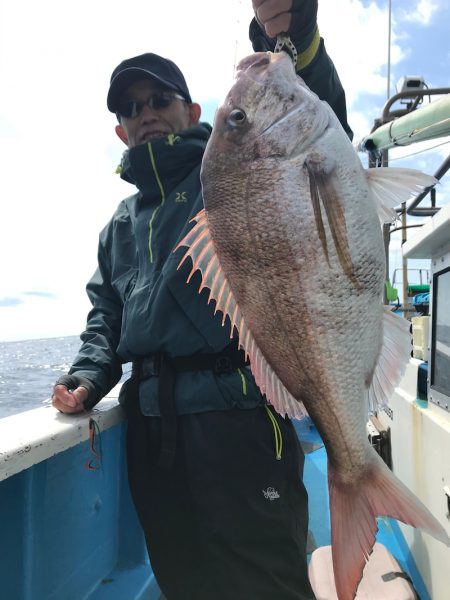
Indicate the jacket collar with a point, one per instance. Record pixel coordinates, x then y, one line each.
165 161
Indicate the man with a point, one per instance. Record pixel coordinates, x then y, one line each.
215 475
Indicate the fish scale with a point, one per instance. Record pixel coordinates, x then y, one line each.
290 245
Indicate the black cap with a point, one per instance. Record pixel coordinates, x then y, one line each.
146 65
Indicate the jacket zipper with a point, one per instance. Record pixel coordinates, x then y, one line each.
163 199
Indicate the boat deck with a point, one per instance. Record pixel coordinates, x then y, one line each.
315 478
70 532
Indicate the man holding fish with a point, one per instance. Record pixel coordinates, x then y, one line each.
214 471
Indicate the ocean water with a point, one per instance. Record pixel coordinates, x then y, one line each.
28 370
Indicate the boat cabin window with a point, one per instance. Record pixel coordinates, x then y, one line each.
440 343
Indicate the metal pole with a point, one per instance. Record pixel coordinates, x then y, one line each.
372 163
404 265
389 54
426 123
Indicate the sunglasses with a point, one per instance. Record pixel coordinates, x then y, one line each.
157 101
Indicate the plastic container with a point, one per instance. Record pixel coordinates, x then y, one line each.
383 578
420 330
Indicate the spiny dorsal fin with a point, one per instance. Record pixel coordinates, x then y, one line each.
390 186
204 258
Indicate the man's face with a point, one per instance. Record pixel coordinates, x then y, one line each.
152 123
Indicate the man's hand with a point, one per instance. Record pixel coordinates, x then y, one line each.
295 17
67 401
71 392
274 15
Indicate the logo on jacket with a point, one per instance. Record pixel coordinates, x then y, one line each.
173 139
181 197
271 494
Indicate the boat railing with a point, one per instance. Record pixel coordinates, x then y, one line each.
401 127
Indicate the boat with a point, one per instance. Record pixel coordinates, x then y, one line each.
69 529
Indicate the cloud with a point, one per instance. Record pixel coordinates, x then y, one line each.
10 302
59 151
422 13
37 317
48 295
360 58
7 129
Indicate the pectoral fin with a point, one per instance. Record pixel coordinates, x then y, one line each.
323 192
315 200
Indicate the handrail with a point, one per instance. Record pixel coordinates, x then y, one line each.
428 211
417 95
33 436
401 128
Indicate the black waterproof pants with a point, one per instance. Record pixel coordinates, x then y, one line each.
228 521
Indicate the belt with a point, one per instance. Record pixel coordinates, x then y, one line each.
219 364
165 368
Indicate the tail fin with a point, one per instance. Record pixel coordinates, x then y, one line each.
354 508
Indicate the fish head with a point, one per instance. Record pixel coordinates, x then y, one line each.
269 112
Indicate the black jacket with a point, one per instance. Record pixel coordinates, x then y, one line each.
141 302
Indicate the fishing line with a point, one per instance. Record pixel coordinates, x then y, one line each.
95 462
419 151
237 26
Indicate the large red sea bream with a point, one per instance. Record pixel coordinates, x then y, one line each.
290 245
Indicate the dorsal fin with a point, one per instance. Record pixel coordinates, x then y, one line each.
204 258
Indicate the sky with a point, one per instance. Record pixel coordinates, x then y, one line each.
58 148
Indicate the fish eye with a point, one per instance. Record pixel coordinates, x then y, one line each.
237 116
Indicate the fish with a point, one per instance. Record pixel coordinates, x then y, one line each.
290 245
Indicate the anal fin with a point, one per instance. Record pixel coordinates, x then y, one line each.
393 359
